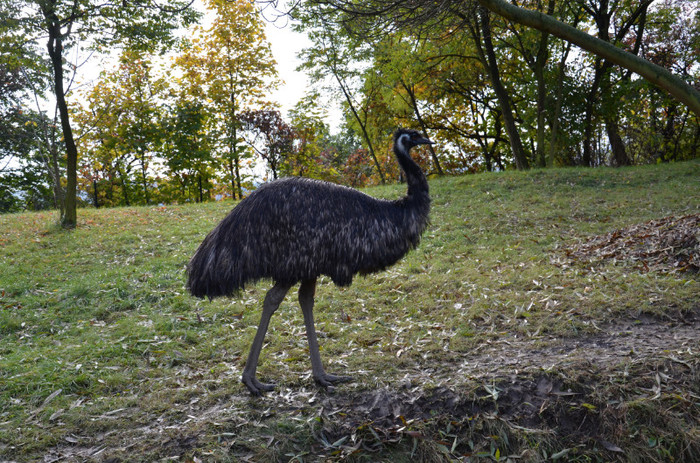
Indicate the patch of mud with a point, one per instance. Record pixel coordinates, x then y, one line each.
670 244
622 342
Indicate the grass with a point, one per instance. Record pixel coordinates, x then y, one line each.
103 355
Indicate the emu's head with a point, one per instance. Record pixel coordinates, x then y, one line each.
405 139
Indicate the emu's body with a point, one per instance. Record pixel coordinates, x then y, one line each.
294 230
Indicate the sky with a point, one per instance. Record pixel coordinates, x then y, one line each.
285 45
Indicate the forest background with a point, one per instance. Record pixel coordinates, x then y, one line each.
186 116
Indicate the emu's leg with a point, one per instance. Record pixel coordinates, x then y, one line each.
273 299
306 301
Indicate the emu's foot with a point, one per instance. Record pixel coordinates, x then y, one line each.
327 380
255 387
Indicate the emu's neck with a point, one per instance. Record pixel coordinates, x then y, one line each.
415 178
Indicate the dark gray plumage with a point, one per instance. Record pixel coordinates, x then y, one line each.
295 229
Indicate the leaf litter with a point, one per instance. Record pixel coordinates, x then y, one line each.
670 244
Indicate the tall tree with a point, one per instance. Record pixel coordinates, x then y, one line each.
122 123
188 149
232 63
403 63
310 156
71 24
504 101
655 74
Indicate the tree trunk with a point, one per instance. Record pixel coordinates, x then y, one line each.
232 173
619 153
201 192
59 192
521 161
94 194
55 48
125 191
540 62
559 95
588 118
657 75
144 180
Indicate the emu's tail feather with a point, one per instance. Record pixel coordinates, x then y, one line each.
212 271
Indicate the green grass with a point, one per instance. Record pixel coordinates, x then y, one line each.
104 355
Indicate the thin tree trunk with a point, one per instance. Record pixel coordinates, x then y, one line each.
521 161
233 170
201 192
125 191
588 118
144 181
59 192
55 48
541 100
362 125
559 95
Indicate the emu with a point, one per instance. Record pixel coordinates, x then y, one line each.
294 230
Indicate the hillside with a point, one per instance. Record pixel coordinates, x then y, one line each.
546 316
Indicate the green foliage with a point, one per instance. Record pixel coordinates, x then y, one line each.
24 180
426 68
229 67
78 26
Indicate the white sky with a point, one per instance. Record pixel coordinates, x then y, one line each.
285 45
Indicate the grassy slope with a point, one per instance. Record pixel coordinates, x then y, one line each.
102 353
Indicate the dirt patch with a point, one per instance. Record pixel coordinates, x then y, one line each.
587 394
516 388
671 244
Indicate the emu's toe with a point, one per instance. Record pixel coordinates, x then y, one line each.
327 380
255 387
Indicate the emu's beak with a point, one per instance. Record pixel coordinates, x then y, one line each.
423 141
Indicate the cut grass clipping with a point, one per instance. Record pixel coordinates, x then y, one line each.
546 316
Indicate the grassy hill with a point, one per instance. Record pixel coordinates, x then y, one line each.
542 318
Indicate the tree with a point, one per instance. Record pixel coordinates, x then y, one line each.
188 149
309 158
121 127
25 180
271 137
231 64
67 25
332 56
503 98
400 62
655 74
527 101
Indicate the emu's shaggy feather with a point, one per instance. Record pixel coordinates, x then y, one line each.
296 229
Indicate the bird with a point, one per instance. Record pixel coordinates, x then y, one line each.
293 230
